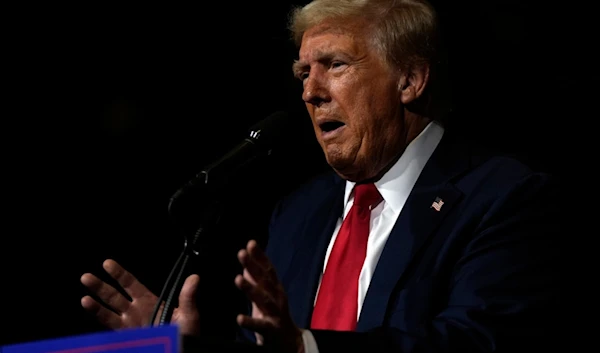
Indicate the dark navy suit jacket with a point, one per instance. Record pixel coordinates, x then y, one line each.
482 274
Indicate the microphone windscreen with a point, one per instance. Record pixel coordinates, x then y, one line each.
272 129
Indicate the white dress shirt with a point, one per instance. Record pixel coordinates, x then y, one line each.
394 187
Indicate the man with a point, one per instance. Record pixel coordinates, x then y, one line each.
415 242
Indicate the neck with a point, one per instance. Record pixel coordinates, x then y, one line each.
415 124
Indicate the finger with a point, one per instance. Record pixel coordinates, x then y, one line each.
107 293
130 284
105 316
259 271
259 339
258 255
268 286
263 299
249 277
187 297
256 274
252 269
262 326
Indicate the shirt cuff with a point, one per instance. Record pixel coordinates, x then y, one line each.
310 344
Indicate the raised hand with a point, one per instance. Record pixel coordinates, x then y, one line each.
125 313
270 318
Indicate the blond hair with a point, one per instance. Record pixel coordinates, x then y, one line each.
404 31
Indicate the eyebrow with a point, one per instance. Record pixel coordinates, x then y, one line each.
298 67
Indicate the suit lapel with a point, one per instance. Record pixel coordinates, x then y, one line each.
413 228
416 223
310 252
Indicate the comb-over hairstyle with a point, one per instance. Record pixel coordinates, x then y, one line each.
405 31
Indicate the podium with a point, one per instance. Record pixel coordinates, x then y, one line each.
161 339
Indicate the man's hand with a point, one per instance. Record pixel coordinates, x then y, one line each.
271 318
124 313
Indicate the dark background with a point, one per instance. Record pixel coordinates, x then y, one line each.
110 109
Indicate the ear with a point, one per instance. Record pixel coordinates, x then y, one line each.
413 83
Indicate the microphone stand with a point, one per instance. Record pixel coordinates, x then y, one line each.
190 252
220 171
183 262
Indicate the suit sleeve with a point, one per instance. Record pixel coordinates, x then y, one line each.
504 292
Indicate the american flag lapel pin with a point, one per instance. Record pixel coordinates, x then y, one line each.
437 204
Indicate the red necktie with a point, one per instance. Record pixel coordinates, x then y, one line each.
337 301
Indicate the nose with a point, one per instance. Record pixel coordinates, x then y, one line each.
315 90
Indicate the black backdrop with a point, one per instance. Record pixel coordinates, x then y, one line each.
111 109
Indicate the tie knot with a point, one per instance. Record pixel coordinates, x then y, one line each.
366 195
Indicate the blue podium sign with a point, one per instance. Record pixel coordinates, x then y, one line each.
162 339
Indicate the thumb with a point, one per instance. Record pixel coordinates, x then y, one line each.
187 296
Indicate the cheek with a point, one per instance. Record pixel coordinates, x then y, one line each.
310 109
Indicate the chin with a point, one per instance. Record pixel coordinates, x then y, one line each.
346 165
352 171
347 171
355 177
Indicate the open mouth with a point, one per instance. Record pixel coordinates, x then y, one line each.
330 126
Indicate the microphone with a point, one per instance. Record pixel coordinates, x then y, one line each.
261 139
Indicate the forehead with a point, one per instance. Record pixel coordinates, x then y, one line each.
331 37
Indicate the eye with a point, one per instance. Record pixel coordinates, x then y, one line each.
301 74
336 64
